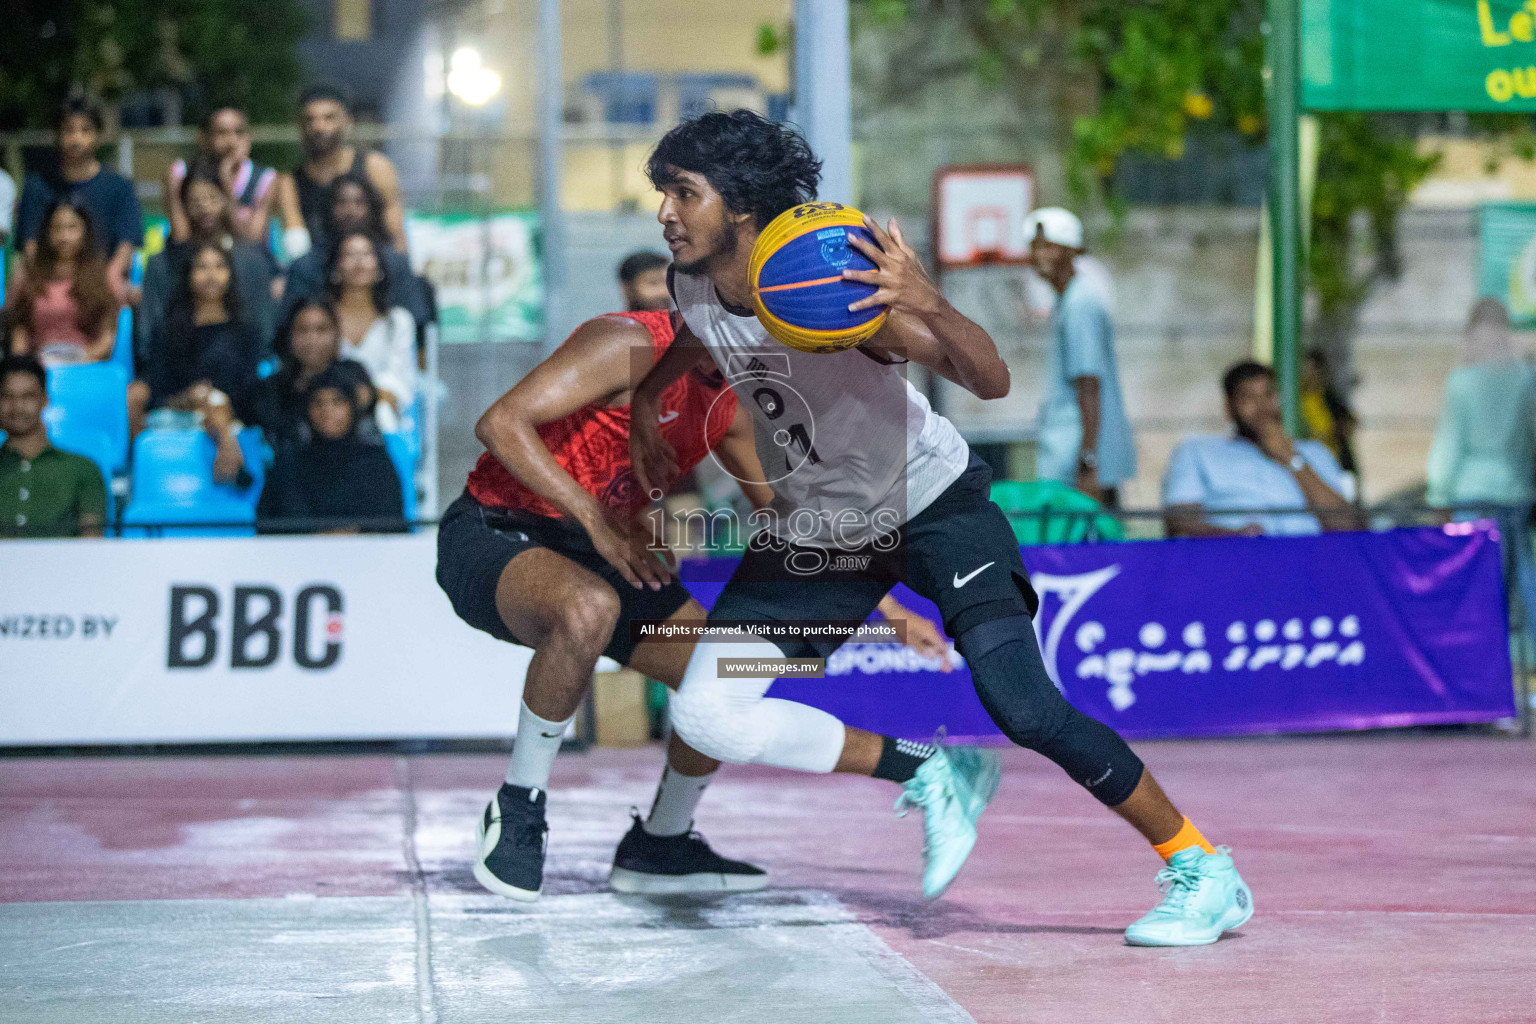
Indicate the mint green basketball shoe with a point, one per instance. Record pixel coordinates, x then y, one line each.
1203 896
952 787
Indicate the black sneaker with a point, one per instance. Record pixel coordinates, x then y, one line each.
666 864
509 843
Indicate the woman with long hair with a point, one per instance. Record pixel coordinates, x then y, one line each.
64 303
202 360
209 213
374 333
308 343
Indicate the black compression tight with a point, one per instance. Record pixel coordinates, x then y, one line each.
1011 680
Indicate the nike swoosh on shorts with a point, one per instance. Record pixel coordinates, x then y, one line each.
961 581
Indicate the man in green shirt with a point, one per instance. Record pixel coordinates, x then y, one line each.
43 492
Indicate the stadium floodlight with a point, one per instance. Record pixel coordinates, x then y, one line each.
469 80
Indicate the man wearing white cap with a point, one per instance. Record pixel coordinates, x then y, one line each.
1085 437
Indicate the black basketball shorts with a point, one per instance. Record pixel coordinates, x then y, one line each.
959 552
475 543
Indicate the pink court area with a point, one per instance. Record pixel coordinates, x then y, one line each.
1394 878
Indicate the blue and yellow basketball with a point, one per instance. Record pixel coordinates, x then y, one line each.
798 291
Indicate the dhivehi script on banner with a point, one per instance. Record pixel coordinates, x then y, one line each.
1223 637
111 641
114 641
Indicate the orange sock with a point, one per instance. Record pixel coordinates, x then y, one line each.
1188 836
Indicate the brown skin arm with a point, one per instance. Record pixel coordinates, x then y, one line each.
255 229
592 366
1333 512
653 458
1087 389
21 340
288 202
382 173
923 327
100 349
181 228
1189 521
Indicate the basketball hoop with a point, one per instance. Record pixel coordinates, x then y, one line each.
979 212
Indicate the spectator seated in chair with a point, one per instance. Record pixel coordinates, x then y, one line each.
43 492
335 481
79 178
308 343
224 142
209 214
379 336
63 305
202 361
1227 486
353 204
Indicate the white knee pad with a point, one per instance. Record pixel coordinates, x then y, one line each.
729 720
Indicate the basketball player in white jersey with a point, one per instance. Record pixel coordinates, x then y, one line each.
872 488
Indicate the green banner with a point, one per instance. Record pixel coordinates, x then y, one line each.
1506 258
1418 54
487 270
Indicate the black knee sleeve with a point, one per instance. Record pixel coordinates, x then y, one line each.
1010 678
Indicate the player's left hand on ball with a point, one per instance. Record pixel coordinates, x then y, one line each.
899 276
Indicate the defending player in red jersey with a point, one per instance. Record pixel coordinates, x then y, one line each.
544 549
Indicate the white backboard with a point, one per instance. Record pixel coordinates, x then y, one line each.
979 212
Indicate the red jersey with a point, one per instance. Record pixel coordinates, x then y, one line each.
592 443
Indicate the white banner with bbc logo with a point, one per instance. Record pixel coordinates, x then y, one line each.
188 640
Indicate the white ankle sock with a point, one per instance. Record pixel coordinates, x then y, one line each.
534 750
676 799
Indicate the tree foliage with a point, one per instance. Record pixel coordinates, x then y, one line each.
1146 77
215 52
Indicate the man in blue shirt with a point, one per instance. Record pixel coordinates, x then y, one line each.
114 208
1085 437
1257 470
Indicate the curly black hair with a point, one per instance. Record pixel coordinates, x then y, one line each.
757 166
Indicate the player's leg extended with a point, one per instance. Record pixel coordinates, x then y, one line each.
1204 895
963 556
729 718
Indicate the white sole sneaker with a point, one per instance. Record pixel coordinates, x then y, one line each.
483 874
646 883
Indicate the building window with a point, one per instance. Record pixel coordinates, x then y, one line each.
353 19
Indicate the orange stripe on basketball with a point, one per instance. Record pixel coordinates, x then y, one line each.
799 284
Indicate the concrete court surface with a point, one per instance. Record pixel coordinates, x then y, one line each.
1395 880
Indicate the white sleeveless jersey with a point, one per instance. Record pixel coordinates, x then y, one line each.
849 446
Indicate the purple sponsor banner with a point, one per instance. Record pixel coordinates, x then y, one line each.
1223 637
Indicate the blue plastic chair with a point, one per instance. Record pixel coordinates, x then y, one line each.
173 483
122 348
399 448
91 396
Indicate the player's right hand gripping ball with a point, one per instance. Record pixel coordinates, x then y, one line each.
798 291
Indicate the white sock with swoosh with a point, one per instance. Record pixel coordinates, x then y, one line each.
534 750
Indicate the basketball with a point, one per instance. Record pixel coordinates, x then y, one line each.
798 291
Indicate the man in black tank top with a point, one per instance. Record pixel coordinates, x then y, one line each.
325 121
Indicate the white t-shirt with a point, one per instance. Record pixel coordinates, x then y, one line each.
388 353
851 449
